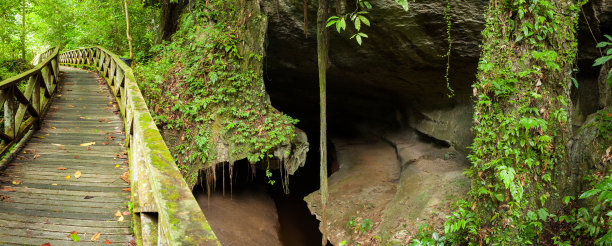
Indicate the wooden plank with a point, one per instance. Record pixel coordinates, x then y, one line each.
69 187
6 239
107 213
59 214
31 236
97 201
63 221
16 224
75 162
36 190
88 175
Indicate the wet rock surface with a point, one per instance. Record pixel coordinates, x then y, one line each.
395 183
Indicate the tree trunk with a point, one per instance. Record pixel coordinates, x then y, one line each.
23 30
322 42
522 115
127 30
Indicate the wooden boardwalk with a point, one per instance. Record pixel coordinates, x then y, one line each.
62 182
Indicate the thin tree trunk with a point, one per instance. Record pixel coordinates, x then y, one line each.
322 59
127 30
23 30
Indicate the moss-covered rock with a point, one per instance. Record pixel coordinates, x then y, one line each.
207 92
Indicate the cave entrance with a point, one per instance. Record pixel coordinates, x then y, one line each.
248 210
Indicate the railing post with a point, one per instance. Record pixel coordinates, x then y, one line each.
9 112
36 101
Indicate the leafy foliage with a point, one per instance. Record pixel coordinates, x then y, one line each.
207 86
520 124
358 17
602 60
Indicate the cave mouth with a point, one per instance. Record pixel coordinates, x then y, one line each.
245 209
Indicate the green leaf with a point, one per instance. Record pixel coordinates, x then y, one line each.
588 193
516 191
499 196
601 60
603 44
332 18
566 199
575 82
74 237
357 24
609 52
543 214
364 20
403 3
362 34
358 38
343 24
608 37
330 23
506 174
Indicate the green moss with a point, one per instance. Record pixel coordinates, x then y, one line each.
207 88
521 122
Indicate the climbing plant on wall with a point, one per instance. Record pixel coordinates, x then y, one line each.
522 124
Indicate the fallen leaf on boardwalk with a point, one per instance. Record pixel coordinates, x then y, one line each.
53 184
3 197
73 235
58 144
88 148
61 168
36 156
16 182
88 197
61 148
126 212
84 118
118 213
41 137
46 221
105 143
70 106
53 127
88 144
125 177
8 189
95 237
127 189
120 219
107 241
68 177
76 157
45 244
117 166
77 174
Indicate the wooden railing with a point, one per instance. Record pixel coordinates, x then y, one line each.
165 211
23 107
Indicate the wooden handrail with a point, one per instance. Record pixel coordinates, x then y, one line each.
165 210
22 110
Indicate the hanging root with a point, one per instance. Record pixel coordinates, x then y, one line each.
305 18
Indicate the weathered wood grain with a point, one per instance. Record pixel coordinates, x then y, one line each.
45 206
